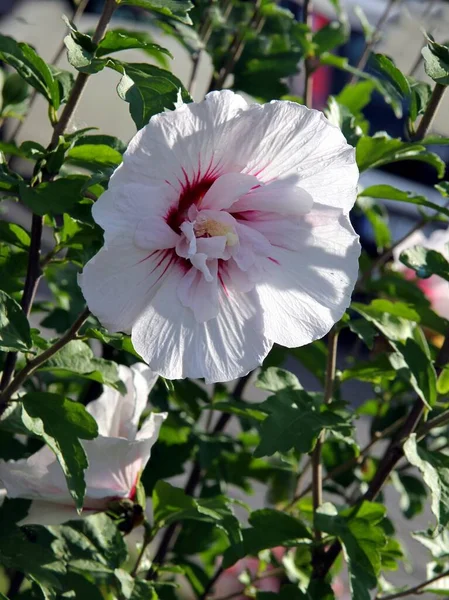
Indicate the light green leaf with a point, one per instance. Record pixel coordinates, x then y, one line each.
355 97
425 262
175 9
330 36
381 149
76 357
377 215
15 332
434 467
14 234
274 379
94 156
121 39
388 192
436 61
60 422
269 528
9 181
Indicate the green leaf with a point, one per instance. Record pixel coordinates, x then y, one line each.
120 39
443 381
76 357
30 66
388 192
53 197
14 234
420 96
317 590
82 58
15 332
269 528
148 90
331 35
9 181
363 540
434 467
274 379
377 215
364 330
381 149
60 422
436 61
425 262
356 97
295 421
15 97
386 66
96 539
394 319
94 156
413 493
374 370
175 9
171 504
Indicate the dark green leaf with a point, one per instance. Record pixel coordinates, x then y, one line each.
420 96
388 192
176 9
295 421
387 67
9 181
15 97
377 215
15 332
363 540
30 66
270 528
364 330
149 90
54 197
434 467
60 422
330 36
77 358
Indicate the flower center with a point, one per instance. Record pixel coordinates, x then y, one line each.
212 228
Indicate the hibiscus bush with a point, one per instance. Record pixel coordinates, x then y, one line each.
201 273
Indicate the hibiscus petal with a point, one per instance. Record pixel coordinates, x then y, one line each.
118 415
46 513
127 278
306 292
227 189
282 196
200 295
221 349
186 144
154 234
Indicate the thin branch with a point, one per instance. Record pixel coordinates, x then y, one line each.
147 537
308 83
77 13
40 359
391 457
210 584
344 467
373 40
81 80
172 532
417 589
317 469
34 269
278 572
236 48
431 110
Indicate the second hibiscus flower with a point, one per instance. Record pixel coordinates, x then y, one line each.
226 230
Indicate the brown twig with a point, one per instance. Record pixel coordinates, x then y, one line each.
417 589
430 112
40 359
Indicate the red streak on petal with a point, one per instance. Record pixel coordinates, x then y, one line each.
276 262
223 284
191 193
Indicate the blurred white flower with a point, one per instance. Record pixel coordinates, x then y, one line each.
435 288
226 229
116 457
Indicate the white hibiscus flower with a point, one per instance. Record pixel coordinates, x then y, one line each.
116 457
226 229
